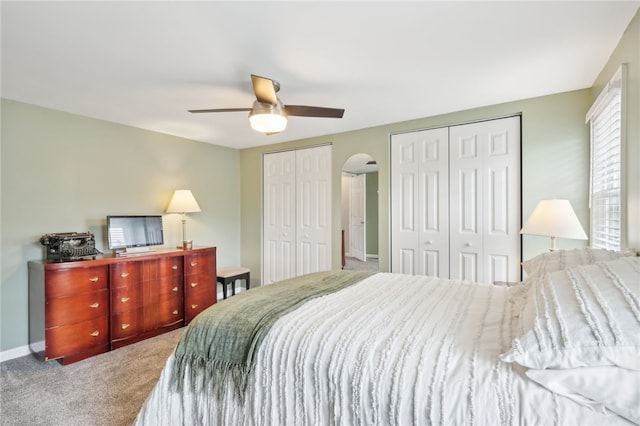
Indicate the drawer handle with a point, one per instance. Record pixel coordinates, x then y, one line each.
94 305
125 326
194 263
125 299
95 333
124 275
175 289
94 279
194 284
194 306
175 312
174 267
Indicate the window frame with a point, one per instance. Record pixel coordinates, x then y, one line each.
614 88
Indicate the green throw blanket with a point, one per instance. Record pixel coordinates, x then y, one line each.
223 340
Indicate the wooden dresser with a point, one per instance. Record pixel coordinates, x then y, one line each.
87 307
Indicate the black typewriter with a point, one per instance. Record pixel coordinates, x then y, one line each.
68 246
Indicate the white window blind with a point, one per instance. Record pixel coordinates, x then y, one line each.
606 197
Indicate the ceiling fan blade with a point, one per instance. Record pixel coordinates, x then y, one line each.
220 110
311 111
265 89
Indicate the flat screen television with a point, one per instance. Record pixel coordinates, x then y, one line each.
127 232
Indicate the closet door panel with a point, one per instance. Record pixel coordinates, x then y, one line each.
433 194
467 265
486 156
465 203
313 209
279 227
420 223
502 220
498 267
406 259
498 201
431 261
405 238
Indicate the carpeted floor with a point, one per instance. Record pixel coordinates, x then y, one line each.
107 389
353 264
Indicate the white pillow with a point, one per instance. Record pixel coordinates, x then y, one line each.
561 259
599 388
583 316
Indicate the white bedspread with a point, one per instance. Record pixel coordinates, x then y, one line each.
390 350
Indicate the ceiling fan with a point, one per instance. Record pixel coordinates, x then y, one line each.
268 114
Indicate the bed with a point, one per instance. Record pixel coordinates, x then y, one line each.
356 348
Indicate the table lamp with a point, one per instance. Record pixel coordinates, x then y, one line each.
554 218
183 202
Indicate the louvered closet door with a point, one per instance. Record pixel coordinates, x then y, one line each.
485 200
279 218
419 200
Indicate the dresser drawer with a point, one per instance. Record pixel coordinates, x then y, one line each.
193 308
78 308
126 298
202 263
170 287
170 267
66 282
126 273
79 337
163 312
127 324
198 284
170 310
199 298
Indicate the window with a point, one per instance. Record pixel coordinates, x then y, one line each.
606 186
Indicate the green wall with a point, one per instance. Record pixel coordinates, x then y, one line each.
63 173
555 151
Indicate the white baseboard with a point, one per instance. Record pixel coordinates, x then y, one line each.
21 351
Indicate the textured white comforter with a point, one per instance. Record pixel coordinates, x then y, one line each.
390 350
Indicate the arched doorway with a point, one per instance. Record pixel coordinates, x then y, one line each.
360 213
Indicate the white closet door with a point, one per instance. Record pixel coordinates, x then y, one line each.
279 226
502 202
358 217
419 200
313 209
485 200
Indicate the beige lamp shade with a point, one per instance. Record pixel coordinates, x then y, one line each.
183 201
554 218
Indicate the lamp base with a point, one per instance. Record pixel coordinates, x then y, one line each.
186 244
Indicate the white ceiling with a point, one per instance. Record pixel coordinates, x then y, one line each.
144 63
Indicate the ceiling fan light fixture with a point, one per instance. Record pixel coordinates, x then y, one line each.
268 114
267 118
